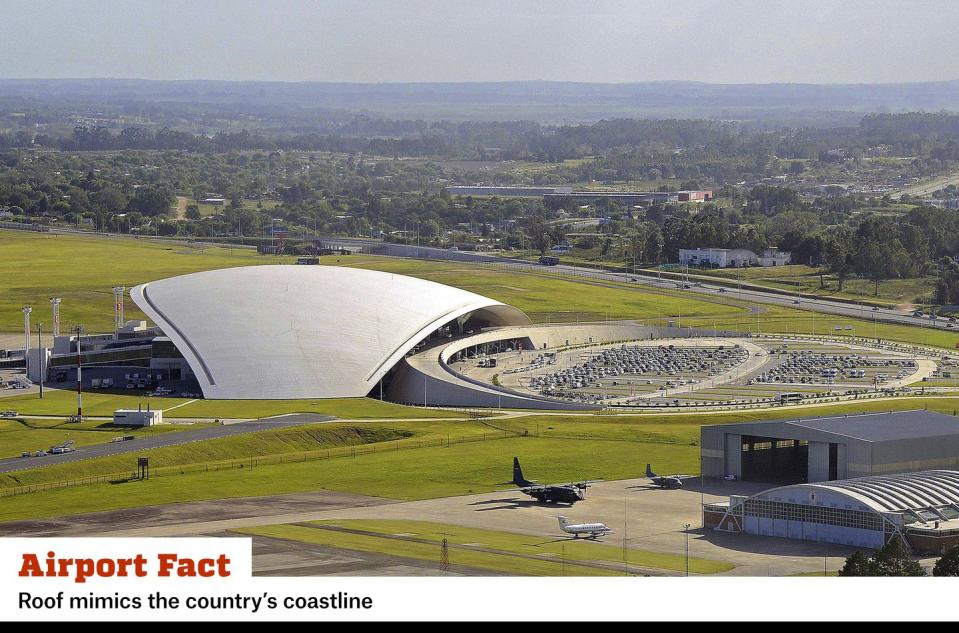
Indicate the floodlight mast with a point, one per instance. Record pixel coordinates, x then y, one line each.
26 339
118 308
79 331
55 305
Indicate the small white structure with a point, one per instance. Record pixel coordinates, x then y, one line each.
717 257
732 257
130 417
775 257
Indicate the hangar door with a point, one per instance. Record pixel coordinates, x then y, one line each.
774 460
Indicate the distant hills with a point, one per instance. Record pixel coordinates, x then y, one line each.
533 100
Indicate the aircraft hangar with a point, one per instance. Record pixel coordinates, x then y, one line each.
818 449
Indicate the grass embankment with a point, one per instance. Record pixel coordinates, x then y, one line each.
20 435
62 402
483 549
300 443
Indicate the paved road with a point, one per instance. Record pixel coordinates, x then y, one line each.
14 464
880 315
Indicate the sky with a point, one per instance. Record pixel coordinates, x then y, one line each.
368 41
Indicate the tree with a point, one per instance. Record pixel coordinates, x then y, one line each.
948 564
192 212
151 201
857 564
893 559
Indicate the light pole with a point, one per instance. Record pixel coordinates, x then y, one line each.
686 530
40 362
79 331
26 339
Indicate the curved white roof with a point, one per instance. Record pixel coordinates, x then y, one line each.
891 493
288 331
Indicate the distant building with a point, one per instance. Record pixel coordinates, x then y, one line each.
775 257
947 203
217 202
506 192
626 198
694 196
732 257
717 257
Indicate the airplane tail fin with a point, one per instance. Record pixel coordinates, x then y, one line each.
563 522
649 471
518 478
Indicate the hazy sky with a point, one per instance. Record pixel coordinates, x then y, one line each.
722 41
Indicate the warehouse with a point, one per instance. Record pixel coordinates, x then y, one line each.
830 448
921 508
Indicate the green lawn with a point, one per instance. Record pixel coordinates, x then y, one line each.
560 298
83 270
512 551
416 473
783 320
63 402
806 279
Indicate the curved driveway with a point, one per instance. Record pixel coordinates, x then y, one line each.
13 464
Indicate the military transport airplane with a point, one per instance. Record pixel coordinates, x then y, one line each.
669 482
553 493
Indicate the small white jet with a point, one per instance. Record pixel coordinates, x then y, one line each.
591 530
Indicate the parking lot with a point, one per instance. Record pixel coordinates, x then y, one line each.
708 371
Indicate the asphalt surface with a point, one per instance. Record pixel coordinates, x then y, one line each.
880 315
14 464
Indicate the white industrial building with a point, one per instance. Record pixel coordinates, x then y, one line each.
137 417
732 257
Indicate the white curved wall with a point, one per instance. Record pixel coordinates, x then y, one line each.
281 332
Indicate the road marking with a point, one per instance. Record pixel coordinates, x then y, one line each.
182 404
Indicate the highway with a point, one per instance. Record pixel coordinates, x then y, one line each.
13 464
880 315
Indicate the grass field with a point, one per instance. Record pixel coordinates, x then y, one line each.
561 298
417 473
83 270
62 402
806 279
486 549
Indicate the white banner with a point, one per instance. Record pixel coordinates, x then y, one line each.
168 579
